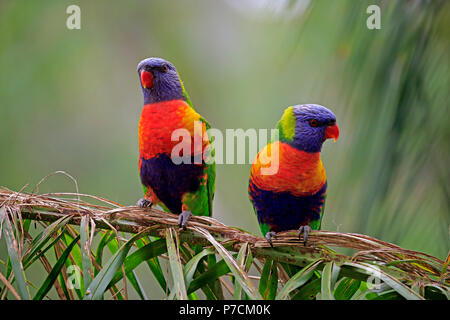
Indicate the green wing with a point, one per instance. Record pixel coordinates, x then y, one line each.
210 168
199 202
315 225
210 171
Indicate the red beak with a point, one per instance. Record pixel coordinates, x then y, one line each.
146 79
332 132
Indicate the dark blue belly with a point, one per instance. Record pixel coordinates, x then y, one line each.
170 181
282 211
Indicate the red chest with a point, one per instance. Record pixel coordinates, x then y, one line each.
157 123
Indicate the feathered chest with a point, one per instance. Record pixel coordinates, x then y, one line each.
163 125
282 168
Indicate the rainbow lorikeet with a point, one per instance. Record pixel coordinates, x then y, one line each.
293 196
181 187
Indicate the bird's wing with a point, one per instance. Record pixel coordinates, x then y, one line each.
210 171
316 224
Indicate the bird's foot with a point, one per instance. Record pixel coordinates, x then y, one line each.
183 218
306 230
144 203
269 236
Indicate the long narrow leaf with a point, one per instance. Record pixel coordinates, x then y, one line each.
346 288
39 241
136 283
100 283
329 276
52 276
74 262
191 265
239 274
179 286
149 251
308 291
85 251
153 263
14 257
38 254
268 285
298 280
104 240
131 275
395 284
242 261
215 272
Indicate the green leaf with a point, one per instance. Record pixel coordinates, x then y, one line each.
388 295
38 254
216 271
52 276
179 286
346 288
309 290
154 265
241 261
149 251
113 245
13 252
63 286
104 240
76 253
239 274
268 283
329 276
191 265
101 282
212 290
76 256
395 284
435 292
136 283
299 279
85 251
37 244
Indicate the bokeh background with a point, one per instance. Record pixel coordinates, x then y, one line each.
70 99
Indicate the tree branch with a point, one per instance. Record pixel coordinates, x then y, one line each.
287 247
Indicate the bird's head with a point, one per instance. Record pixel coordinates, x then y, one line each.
307 126
159 81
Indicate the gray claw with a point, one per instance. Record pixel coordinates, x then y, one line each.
183 218
269 236
306 230
144 203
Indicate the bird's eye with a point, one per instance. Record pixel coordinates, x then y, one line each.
314 123
164 68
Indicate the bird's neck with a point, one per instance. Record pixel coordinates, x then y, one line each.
157 95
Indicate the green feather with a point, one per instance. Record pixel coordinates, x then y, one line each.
286 125
198 201
210 171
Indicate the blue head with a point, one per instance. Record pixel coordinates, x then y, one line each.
307 126
159 81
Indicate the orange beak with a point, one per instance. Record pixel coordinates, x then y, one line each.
332 132
146 79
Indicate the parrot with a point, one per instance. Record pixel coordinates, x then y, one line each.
293 196
185 188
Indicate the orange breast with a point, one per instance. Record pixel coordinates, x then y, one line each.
298 172
160 120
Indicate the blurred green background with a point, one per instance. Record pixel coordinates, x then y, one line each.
70 99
